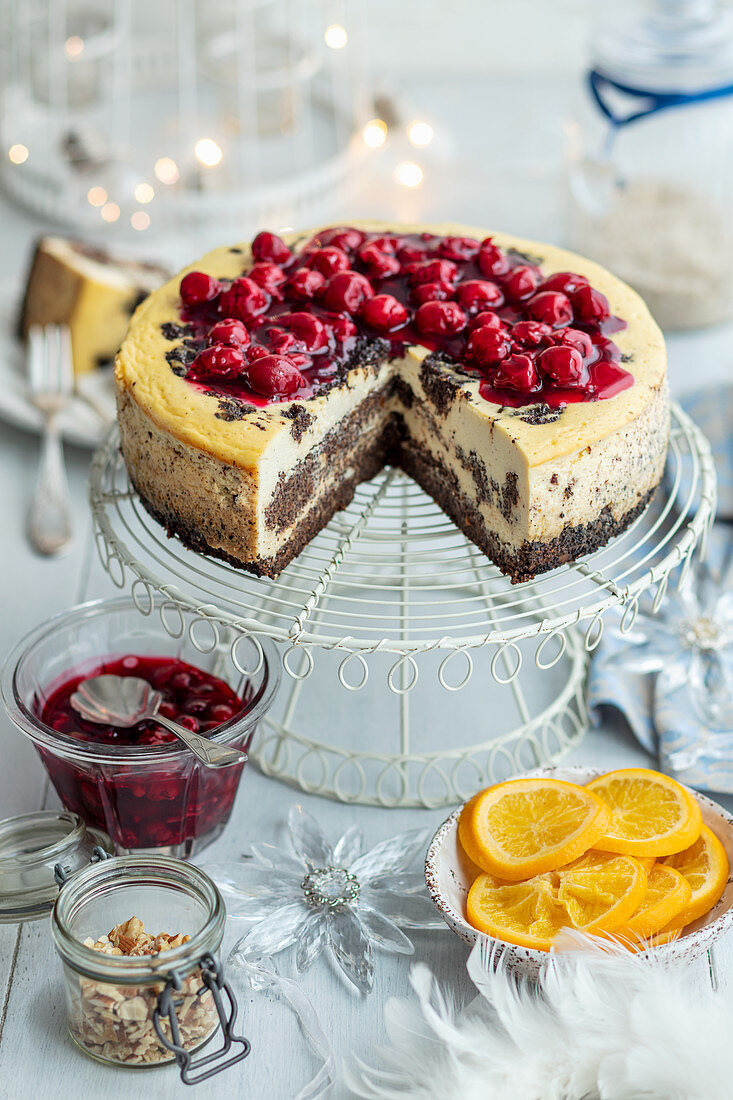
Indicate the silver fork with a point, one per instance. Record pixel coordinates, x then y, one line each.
51 377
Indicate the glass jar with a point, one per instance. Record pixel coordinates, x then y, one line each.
145 797
145 1010
650 175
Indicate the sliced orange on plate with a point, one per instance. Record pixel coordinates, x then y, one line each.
667 894
596 893
525 827
705 866
651 814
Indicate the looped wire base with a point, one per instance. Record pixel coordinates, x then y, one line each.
391 594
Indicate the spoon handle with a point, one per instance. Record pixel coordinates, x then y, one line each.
209 752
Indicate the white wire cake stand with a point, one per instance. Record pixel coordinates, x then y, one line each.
389 593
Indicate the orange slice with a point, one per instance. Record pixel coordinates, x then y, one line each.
667 894
647 862
705 866
651 814
596 893
527 826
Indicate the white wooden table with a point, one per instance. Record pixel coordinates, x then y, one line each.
36 1056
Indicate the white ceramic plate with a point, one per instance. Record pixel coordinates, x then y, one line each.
86 419
449 876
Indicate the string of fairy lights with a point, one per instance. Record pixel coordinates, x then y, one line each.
209 154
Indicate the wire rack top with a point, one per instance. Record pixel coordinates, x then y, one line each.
392 573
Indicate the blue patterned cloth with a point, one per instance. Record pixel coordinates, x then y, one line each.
671 676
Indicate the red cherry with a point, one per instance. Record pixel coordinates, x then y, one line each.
488 346
476 294
304 284
590 304
267 275
244 300
280 340
430 292
380 265
458 248
310 331
342 327
256 351
196 287
565 281
344 237
491 260
532 334
564 364
386 244
518 372
487 318
521 282
551 306
574 338
220 361
440 318
328 261
383 313
346 291
229 332
432 271
268 246
274 376
408 254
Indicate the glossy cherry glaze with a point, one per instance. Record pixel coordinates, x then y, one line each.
416 289
148 803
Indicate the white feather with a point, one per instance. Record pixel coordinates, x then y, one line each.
601 1023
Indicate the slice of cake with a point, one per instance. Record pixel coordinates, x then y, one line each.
522 386
90 291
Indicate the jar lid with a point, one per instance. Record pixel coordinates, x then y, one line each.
667 46
30 847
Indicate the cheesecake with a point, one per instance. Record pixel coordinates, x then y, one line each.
522 386
89 290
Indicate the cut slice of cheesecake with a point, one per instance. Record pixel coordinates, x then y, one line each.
533 476
87 289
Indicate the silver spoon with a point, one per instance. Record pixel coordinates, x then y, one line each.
126 700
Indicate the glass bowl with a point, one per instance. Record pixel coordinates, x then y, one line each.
147 798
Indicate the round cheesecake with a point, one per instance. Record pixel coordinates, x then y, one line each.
522 386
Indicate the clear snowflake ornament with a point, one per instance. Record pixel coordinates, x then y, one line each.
337 898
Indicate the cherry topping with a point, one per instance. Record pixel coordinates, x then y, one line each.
440 318
590 304
380 265
518 372
532 334
274 375
268 246
488 318
407 254
309 330
267 275
219 360
383 313
433 271
343 237
229 332
521 282
565 281
574 338
431 292
488 346
328 261
346 291
197 287
244 300
491 260
564 364
551 306
458 248
476 294
342 327
304 284
388 244
280 340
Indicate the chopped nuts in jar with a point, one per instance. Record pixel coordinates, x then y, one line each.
115 1022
